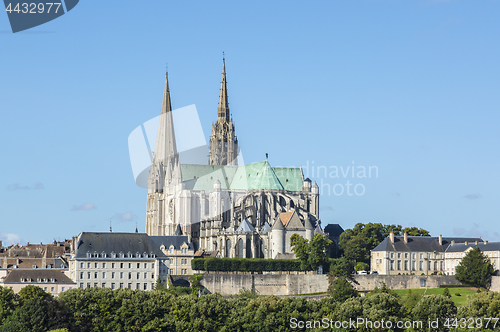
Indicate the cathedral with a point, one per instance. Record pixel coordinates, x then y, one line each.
239 210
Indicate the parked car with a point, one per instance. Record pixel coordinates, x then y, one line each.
362 272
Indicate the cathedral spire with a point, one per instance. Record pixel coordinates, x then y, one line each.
223 109
165 140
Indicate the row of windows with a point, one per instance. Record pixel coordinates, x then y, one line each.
53 289
414 255
115 265
121 285
430 266
120 255
96 274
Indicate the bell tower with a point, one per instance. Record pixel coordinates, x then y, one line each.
223 142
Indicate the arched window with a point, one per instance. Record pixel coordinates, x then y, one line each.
249 248
228 248
240 248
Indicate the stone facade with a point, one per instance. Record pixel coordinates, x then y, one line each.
456 251
237 210
116 260
412 254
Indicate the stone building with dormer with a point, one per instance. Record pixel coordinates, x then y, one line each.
412 254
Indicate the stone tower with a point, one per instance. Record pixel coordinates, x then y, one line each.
223 142
164 175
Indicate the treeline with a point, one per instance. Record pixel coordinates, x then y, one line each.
102 309
255 264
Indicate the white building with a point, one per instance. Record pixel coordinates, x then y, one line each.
116 260
456 251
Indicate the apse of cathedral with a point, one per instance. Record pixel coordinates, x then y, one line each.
239 210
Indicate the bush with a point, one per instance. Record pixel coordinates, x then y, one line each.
245 264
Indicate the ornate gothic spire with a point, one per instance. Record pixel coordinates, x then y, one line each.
223 109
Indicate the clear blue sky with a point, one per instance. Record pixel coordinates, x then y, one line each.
411 87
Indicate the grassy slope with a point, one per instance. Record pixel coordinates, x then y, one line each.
459 300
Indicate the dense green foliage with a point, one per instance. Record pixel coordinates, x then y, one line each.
245 264
475 269
102 309
312 254
357 242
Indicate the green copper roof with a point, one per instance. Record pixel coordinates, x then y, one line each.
258 175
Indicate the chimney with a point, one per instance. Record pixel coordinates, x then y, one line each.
466 243
440 240
485 242
391 236
477 242
452 242
406 237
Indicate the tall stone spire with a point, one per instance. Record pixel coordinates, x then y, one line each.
165 140
223 144
223 109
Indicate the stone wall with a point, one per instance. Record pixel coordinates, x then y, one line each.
265 284
293 284
369 282
495 284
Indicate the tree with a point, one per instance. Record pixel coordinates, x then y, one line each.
196 283
342 289
159 285
312 253
33 292
414 231
446 292
435 307
362 266
318 251
8 302
300 247
475 269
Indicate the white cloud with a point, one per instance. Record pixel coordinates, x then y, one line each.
17 186
84 207
126 216
10 238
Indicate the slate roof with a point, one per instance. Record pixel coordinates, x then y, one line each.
28 262
174 240
461 247
334 230
419 243
245 226
266 227
259 175
15 276
116 242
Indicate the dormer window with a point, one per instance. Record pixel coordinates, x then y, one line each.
49 266
14 266
63 266
52 280
129 255
137 255
145 255
96 254
121 254
103 254
113 255
45 280
171 250
34 266
89 255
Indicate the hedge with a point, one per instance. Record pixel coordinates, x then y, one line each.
245 264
